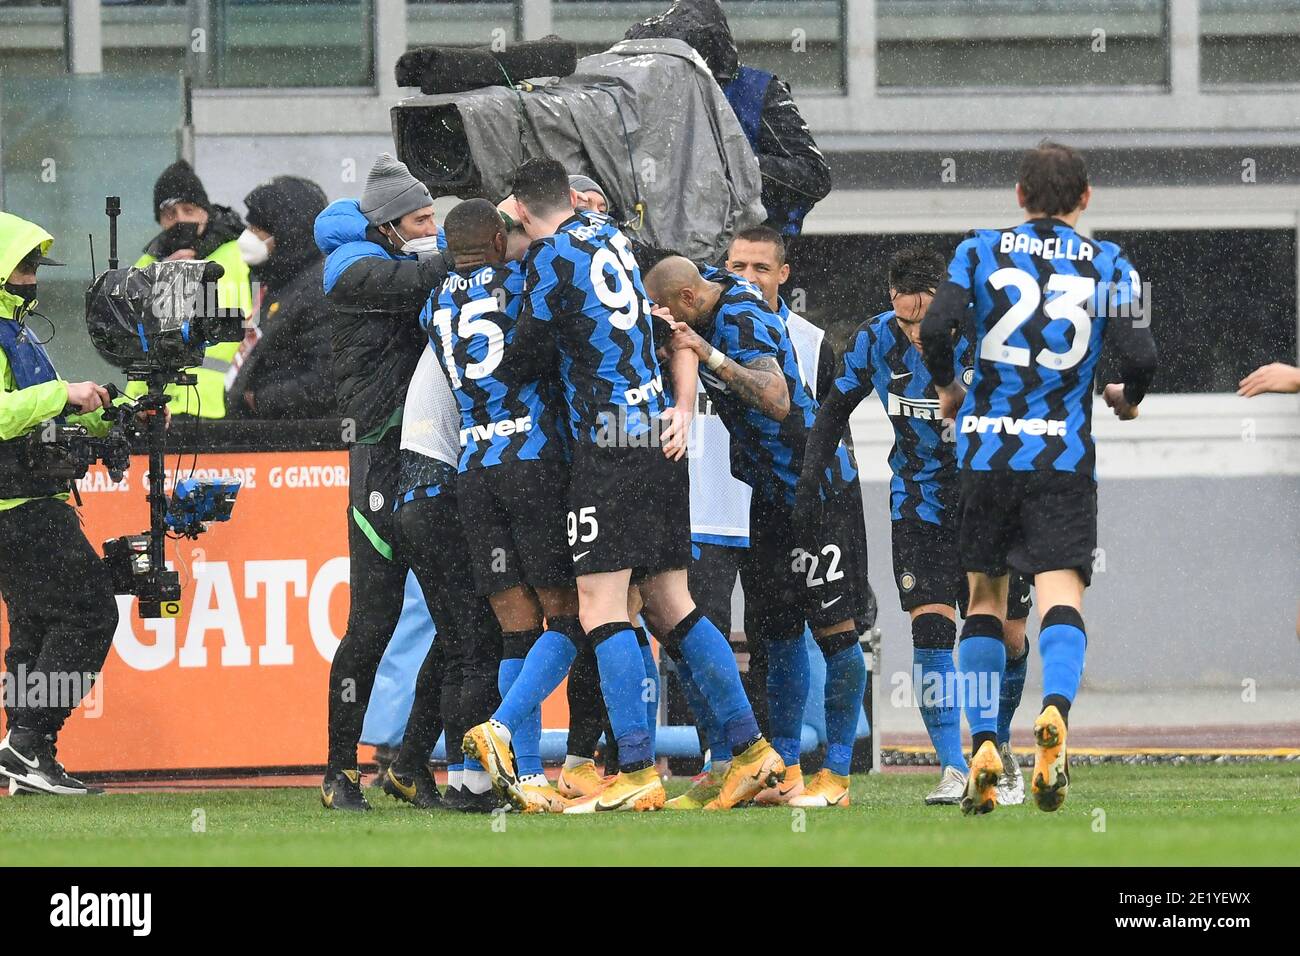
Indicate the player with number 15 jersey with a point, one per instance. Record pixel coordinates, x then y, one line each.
513 456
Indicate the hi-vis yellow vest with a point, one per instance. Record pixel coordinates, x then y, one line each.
207 399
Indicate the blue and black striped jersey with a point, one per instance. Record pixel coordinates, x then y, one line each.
471 319
1042 294
585 282
765 454
881 358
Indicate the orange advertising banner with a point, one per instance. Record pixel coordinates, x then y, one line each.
239 678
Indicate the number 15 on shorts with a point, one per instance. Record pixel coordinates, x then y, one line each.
582 527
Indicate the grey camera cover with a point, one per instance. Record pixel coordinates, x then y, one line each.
647 121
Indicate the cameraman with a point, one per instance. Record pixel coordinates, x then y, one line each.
382 261
193 227
59 595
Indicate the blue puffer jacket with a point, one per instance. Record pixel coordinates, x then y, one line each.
341 235
375 296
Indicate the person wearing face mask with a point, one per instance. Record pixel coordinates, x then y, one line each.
195 228
382 260
57 592
282 369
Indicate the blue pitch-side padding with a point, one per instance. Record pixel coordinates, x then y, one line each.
394 691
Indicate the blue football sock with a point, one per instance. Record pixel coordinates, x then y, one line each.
1013 686
471 764
527 744
705 719
650 690
622 676
1062 643
787 694
846 683
934 675
540 673
981 658
714 667
507 673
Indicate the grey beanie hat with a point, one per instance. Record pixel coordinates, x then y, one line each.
585 184
391 192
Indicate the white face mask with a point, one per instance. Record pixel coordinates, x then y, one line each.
253 250
417 246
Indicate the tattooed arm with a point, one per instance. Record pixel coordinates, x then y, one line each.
758 382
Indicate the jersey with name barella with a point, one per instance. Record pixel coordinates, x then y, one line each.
1042 295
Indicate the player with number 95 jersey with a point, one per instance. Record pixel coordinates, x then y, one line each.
629 496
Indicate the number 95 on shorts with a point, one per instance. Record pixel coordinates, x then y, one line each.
629 508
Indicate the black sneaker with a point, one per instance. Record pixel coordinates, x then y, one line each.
27 759
453 798
419 791
484 802
341 790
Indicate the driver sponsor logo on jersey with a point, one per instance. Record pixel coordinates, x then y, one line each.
504 428
639 396
1054 428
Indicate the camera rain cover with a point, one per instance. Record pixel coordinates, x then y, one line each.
144 316
644 118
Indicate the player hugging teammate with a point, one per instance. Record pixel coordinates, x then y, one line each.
576 395
584 319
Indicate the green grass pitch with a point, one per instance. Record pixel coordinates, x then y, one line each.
1152 815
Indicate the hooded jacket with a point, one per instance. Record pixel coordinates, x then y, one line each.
288 369
22 409
795 173
375 298
217 244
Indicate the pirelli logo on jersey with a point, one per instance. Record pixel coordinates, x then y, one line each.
1003 425
502 429
926 409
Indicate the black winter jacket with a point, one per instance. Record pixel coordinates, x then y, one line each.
375 297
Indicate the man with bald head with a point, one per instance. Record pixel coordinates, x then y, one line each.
629 501
791 575
512 461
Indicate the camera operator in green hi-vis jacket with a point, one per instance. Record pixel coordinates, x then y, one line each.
57 591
